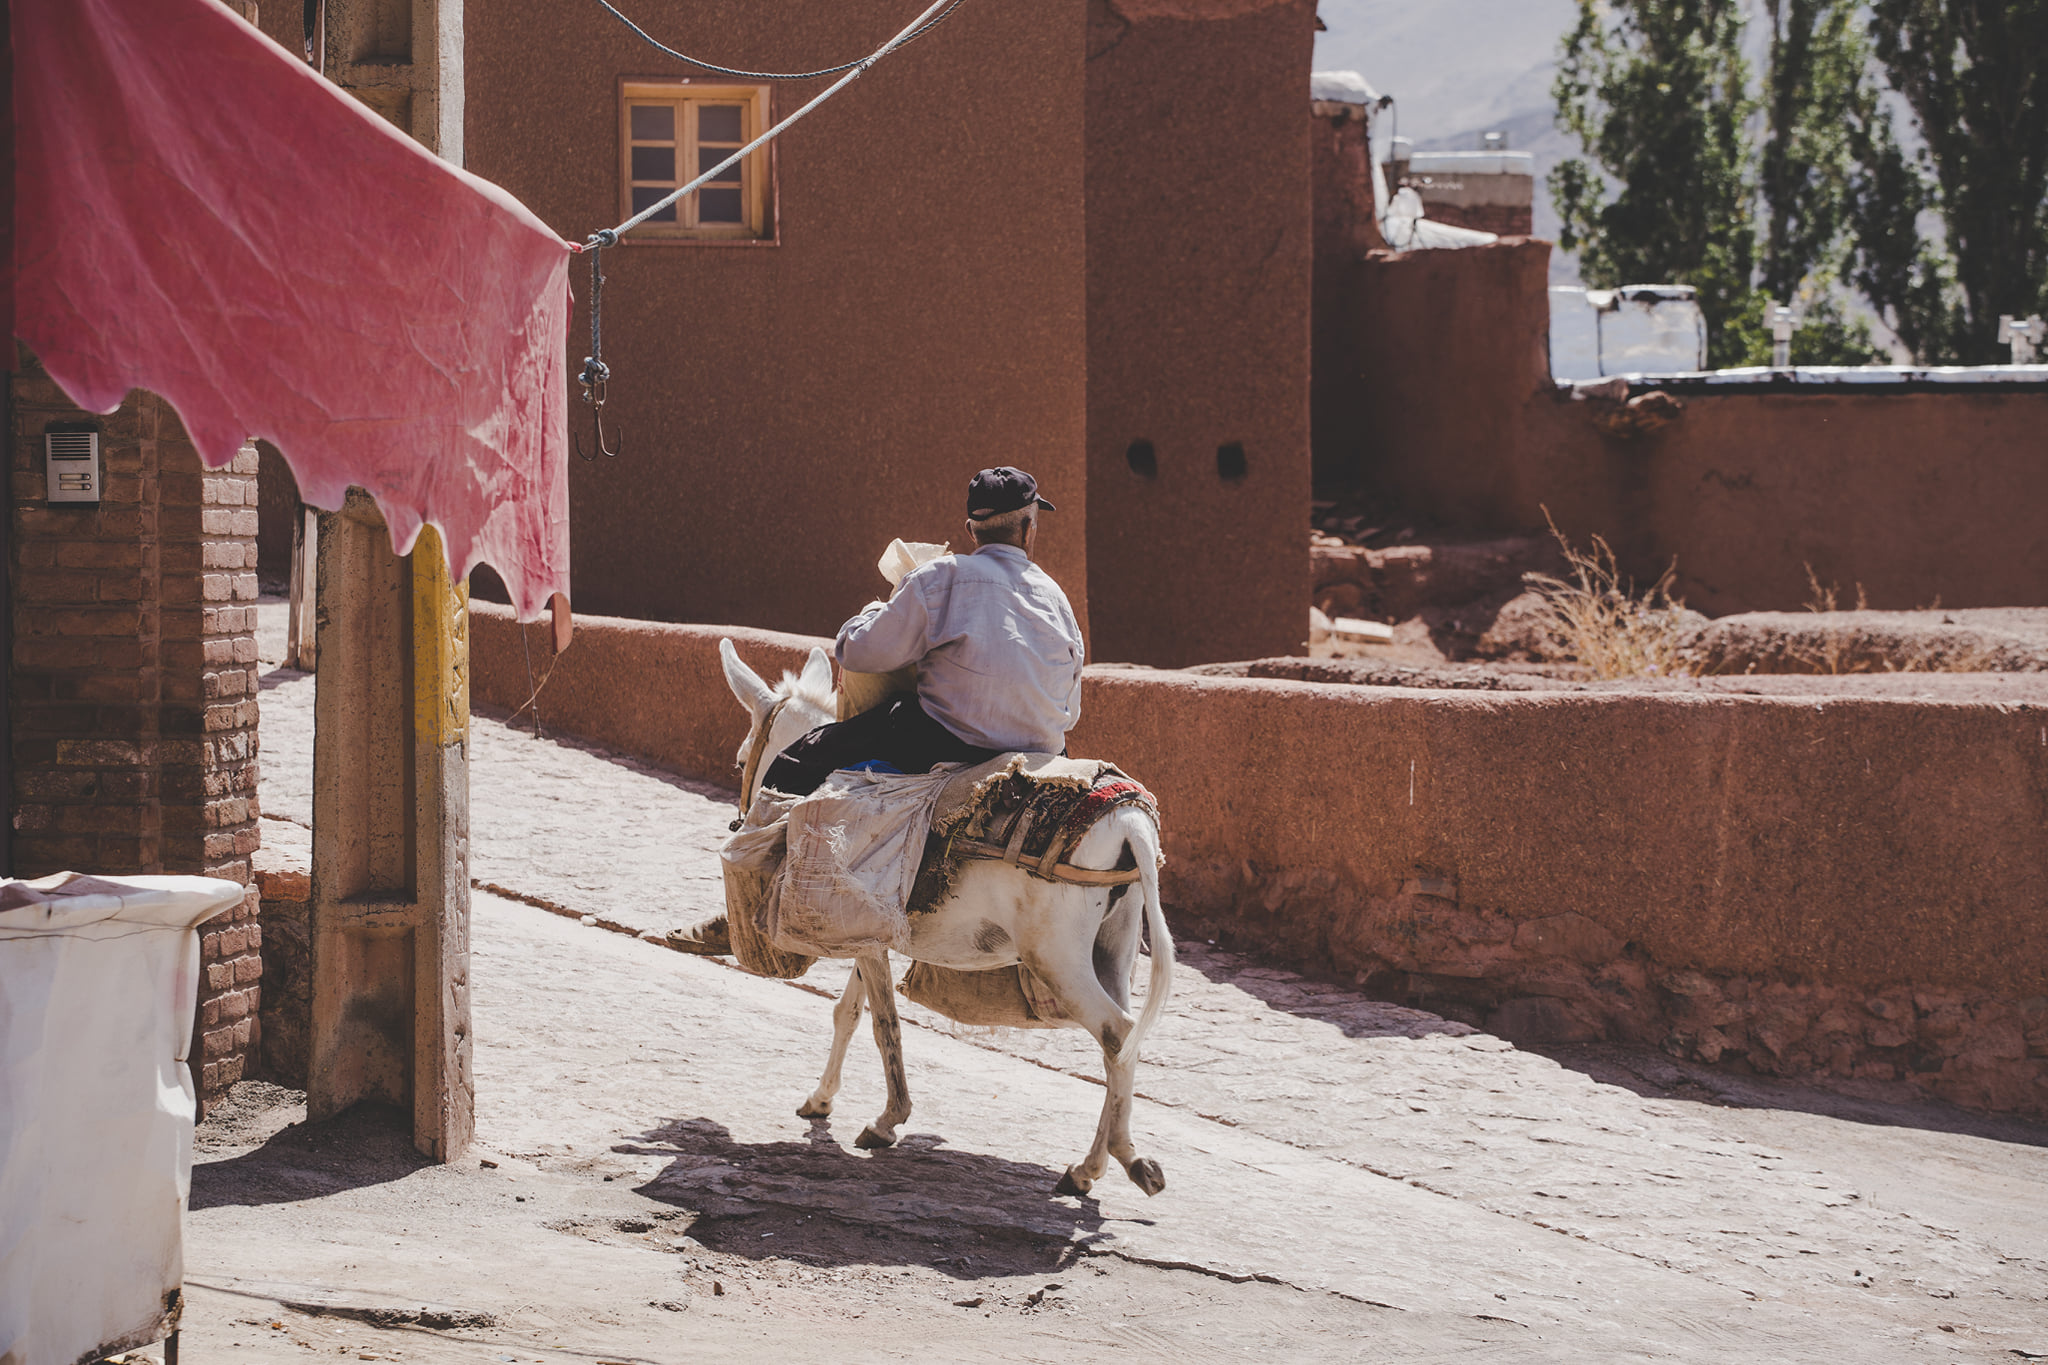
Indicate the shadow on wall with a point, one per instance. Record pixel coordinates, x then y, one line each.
1914 493
277 507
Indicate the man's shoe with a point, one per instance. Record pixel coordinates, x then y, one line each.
706 938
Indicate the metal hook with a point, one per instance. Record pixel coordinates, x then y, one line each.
596 373
594 379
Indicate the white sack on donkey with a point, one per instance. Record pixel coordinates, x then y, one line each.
1004 923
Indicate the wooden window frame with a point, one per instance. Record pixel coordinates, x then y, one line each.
758 225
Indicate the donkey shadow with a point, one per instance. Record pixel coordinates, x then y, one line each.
820 1201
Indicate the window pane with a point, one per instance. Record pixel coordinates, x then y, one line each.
654 163
643 195
718 123
718 206
707 157
654 122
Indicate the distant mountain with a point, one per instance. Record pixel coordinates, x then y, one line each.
1457 68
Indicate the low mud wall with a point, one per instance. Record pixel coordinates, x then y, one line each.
1439 397
1854 885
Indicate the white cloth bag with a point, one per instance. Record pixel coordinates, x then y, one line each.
97 981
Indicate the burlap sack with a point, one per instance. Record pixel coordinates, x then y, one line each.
863 692
997 998
752 862
747 897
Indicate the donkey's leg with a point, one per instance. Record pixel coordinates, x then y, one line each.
881 995
1065 963
845 1015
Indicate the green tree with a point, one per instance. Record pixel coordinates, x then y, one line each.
1815 100
1745 195
1975 74
1657 93
1903 274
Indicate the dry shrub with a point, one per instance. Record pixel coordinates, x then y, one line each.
1835 649
1605 624
1830 652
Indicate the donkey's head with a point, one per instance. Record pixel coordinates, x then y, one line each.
777 716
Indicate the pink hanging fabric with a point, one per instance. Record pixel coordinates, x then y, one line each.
201 215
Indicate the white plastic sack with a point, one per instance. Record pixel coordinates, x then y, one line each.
97 981
848 856
854 849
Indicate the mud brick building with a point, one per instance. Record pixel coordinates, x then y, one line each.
131 698
1071 235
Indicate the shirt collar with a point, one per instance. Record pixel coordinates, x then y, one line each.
1003 552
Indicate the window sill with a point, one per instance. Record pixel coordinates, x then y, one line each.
683 240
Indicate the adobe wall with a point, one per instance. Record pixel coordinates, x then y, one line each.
1918 496
788 407
131 695
1849 884
1915 494
1346 227
1447 353
1199 251
278 508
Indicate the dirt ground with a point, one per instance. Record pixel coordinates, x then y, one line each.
1346 1179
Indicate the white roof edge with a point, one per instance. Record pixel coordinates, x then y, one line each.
1474 163
1341 87
1852 374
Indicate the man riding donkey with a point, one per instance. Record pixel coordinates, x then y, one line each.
1017 882
996 648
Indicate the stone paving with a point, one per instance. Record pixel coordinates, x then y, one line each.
1597 1203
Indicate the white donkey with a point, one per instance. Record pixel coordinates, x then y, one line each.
1081 941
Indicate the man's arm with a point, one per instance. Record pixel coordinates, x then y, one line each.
887 635
1080 658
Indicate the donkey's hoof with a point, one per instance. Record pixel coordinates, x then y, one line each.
1146 1175
814 1109
1073 1184
873 1139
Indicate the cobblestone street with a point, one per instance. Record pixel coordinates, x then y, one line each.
1346 1179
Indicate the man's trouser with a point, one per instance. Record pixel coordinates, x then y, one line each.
898 732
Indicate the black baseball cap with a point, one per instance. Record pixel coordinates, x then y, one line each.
1002 489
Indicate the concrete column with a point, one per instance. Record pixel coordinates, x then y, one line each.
389 916
388 920
403 58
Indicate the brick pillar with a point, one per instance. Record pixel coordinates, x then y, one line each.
83 693
132 687
207 750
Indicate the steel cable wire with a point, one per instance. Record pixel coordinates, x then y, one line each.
701 64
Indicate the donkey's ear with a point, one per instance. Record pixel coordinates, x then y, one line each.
817 675
745 683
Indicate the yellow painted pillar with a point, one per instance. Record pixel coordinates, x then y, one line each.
389 916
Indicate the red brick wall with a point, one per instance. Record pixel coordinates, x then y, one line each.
207 752
132 691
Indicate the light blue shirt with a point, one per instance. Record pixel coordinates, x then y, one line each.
997 648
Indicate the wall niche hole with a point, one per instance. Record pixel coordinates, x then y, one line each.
1143 459
1230 462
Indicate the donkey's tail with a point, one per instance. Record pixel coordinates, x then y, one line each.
1143 835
